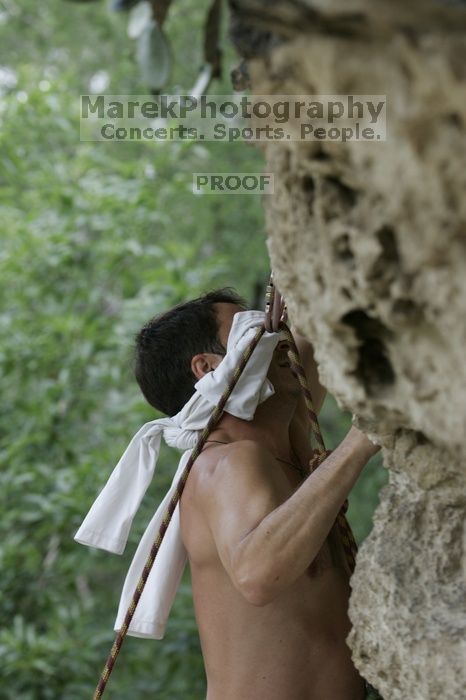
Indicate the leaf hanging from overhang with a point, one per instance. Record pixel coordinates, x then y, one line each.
139 17
212 50
154 56
212 67
160 9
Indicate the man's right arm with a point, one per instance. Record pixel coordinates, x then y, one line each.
266 535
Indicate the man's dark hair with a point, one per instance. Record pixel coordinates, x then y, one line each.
166 344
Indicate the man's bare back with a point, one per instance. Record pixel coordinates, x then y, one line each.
293 647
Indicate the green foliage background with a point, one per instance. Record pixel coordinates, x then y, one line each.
96 238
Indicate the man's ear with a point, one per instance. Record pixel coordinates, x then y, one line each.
203 363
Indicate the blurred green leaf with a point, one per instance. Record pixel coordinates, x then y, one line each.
154 56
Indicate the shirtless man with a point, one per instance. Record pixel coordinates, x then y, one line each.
269 577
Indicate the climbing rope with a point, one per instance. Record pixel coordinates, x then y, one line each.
275 313
321 453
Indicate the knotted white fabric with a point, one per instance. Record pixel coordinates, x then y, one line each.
109 520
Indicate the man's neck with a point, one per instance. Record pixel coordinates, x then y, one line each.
270 426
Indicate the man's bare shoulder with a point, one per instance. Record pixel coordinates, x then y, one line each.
243 466
239 455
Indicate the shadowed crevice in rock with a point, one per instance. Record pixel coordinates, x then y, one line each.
388 264
342 250
309 189
373 368
336 197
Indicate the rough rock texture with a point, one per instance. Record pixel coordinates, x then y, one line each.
368 244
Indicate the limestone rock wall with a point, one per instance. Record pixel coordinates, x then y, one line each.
368 244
